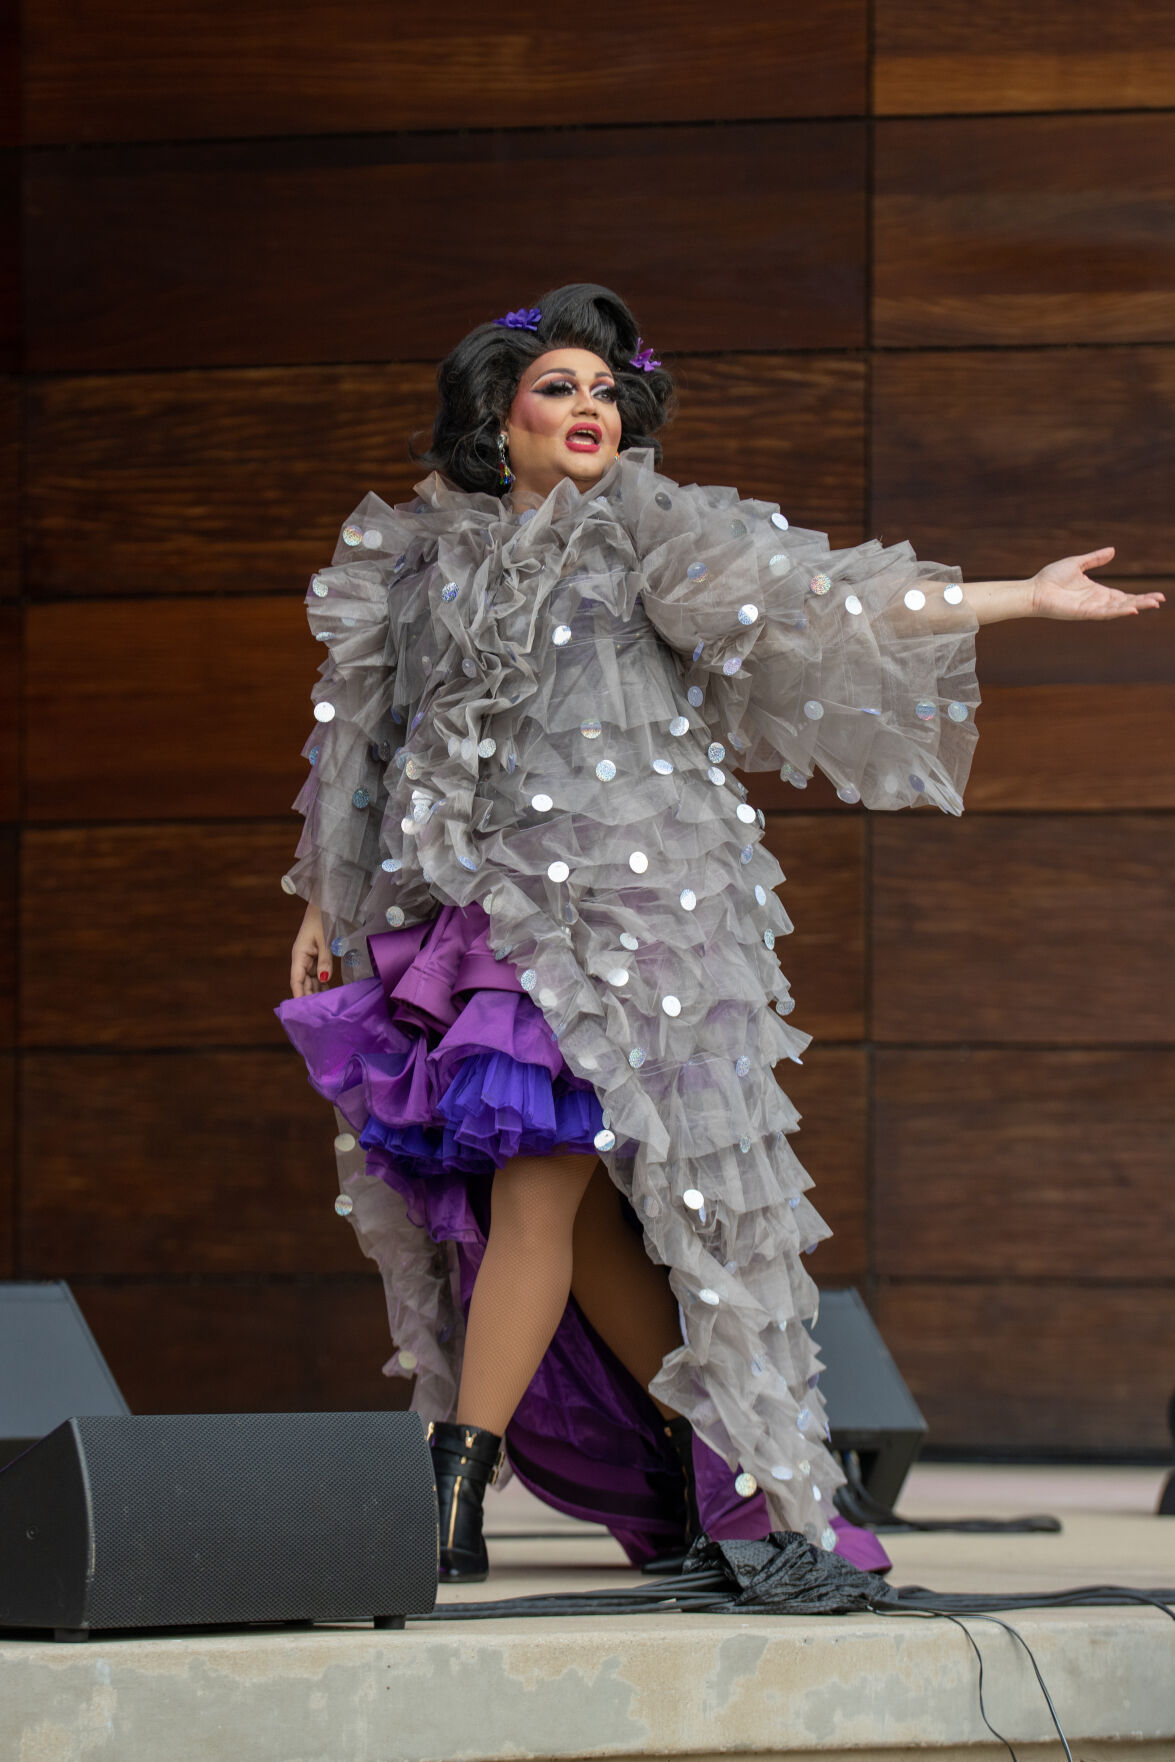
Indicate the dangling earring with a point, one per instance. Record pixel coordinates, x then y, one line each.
505 475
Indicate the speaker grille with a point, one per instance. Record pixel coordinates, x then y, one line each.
258 1517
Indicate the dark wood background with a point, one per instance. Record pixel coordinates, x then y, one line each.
914 266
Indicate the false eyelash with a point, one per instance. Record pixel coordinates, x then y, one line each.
566 385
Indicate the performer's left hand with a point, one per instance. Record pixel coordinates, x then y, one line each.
1064 590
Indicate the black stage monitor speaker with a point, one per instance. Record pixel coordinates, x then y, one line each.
50 1366
870 1410
190 1520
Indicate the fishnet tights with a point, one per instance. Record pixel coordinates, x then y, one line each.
556 1228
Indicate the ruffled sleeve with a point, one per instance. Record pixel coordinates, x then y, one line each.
860 662
345 795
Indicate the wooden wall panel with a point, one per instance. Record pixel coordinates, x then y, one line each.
238 481
1046 229
252 1346
156 936
11 337
11 398
1053 748
224 1164
830 1091
296 251
173 710
11 731
8 1165
1054 930
124 72
1021 1164
996 55
10 914
1005 461
824 896
1055 1368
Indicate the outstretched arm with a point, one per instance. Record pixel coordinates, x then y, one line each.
1059 590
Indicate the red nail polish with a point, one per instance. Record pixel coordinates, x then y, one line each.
324 976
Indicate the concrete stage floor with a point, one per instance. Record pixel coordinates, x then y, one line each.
892 1688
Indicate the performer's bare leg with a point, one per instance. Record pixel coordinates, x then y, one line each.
624 1295
522 1284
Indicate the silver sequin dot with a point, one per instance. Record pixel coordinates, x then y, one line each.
344 1205
409 1360
557 871
779 520
605 770
561 634
337 945
688 899
394 916
628 940
918 784
314 754
542 804
288 886
373 538
746 853
469 863
781 1472
663 767
547 997
324 712
738 529
529 979
697 572
848 792
817 1494
392 865
345 1143
693 1199
319 587
769 938
671 1005
715 752
663 501
360 799
804 1467
757 1367
953 595
351 959
813 710
760 894
679 726
352 536
957 712
705 1295
828 1539
605 1140
716 776
742 1066
820 584
747 614
925 711
698 647
803 1418
744 1143
696 696
746 1486
638 862
618 976
732 665
469 668
591 730
853 605
412 769
636 1057
449 591
486 748
746 813
780 563
914 598
650 1206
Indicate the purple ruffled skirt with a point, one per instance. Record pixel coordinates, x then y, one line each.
446 1070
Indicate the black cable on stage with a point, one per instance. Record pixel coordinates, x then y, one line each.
855 1502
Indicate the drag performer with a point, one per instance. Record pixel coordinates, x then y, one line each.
528 843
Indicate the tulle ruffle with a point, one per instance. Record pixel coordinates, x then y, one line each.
537 711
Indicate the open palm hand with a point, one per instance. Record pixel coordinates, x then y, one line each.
1064 590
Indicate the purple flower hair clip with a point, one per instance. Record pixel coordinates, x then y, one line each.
643 359
523 319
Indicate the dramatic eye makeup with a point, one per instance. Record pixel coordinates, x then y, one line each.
554 388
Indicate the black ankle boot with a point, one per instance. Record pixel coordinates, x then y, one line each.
465 1461
680 1433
